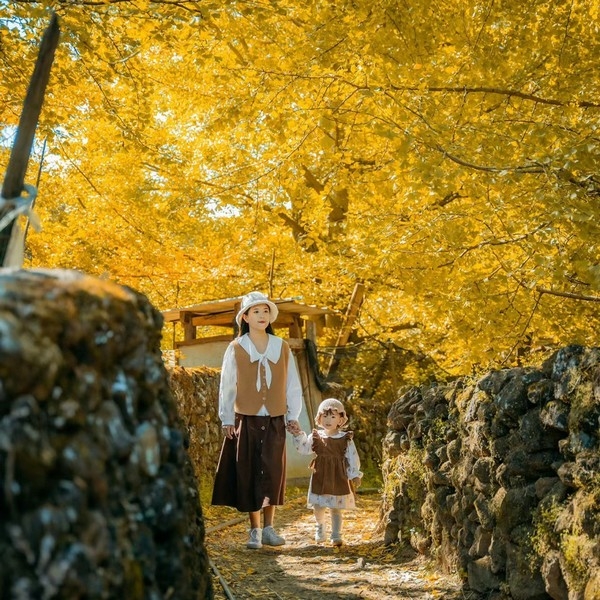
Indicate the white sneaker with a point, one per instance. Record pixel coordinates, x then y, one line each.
320 533
270 538
254 542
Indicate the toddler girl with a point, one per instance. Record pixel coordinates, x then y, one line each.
335 468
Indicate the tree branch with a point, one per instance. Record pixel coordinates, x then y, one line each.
499 91
492 242
533 168
570 295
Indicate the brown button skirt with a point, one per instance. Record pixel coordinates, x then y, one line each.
251 469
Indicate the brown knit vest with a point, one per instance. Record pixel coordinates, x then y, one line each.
248 401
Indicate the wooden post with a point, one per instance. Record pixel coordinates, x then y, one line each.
189 329
32 106
295 329
311 331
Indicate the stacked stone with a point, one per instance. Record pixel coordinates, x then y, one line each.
196 391
98 497
511 494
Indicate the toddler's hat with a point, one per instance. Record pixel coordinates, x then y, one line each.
331 404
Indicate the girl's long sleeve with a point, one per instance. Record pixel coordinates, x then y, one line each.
303 443
353 461
228 387
293 390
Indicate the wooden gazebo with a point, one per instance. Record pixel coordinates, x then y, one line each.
302 323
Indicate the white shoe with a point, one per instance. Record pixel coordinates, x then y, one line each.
254 542
270 538
320 533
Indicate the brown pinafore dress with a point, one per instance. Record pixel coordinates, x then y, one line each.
330 474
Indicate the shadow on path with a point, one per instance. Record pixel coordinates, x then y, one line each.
302 570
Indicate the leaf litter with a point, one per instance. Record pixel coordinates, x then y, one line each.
301 569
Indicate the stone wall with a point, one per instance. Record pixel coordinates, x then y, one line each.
196 391
98 497
499 479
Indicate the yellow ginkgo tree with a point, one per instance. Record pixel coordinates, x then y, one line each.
444 154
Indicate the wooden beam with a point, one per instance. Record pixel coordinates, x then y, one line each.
203 341
295 343
226 320
32 106
215 320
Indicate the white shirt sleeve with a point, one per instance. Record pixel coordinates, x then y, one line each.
228 387
293 389
303 443
353 469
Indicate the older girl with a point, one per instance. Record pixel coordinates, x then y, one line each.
260 393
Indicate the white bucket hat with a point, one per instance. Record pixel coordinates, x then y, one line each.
331 404
254 299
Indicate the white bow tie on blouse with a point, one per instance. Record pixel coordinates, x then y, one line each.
272 354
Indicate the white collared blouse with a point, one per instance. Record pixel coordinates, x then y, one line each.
228 384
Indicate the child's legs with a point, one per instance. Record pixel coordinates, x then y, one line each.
336 523
319 512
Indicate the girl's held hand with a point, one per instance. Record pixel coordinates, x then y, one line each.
293 427
229 431
357 481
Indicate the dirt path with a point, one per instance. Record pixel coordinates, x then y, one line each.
362 568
